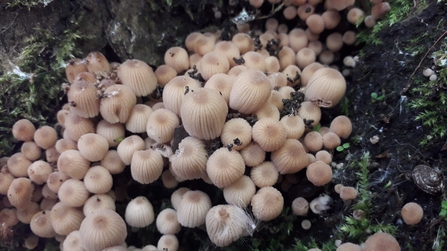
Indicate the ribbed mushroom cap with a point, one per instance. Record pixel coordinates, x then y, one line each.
381 241
117 103
93 146
326 84
324 156
168 179
128 146
338 4
98 180
146 166
243 42
31 241
267 203
8 217
139 212
240 192
225 167
348 193
31 150
138 76
331 19
111 132
319 173
213 63
294 126
189 161
20 192
98 202
174 92
23 130
331 140
39 171
300 206
167 222
222 83
250 91
253 154
176 196
309 111
73 164
41 224
292 73
74 67
342 126
229 49
164 74
265 174
203 113
269 110
305 57
237 132
168 242
102 229
6 178
412 213
254 60
226 224
97 62
73 242
83 99
47 204
47 193
348 246
65 219
313 141
76 126
86 76
18 165
270 134
191 39
290 157
45 137
297 40
204 45
138 118
64 144
161 125
192 209
113 162
73 193
177 58
334 42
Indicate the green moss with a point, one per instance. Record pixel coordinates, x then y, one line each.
28 4
360 229
32 88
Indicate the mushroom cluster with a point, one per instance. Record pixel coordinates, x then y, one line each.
236 114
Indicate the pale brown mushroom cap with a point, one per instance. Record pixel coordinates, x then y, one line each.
111 132
139 212
45 137
83 99
31 150
138 76
167 222
342 126
189 161
168 242
73 164
300 206
23 130
192 209
267 203
96 62
319 173
326 84
225 167
290 157
412 213
240 192
269 134
73 193
102 229
348 246
18 165
128 146
20 192
265 174
176 196
348 193
161 125
65 219
213 63
98 180
39 171
203 113
98 202
8 217
177 58
76 126
41 224
146 166
381 241
117 103
74 67
6 179
93 146
234 130
73 242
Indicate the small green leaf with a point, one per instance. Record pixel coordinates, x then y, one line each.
339 148
373 95
346 145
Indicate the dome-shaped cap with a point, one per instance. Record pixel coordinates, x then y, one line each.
139 212
137 75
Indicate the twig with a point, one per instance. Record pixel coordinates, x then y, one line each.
407 86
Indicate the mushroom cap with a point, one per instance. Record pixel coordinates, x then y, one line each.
326 84
236 129
83 99
203 113
23 130
225 224
31 150
93 146
76 126
117 103
294 126
72 163
96 62
313 141
139 212
253 154
20 192
138 76
412 213
74 67
250 91
176 196
98 180
331 19
229 49
8 217
167 222
128 146
111 132
174 92
264 174
309 111
45 137
348 246
269 133
221 83
6 178
319 173
177 58
192 209
225 167
73 193
168 242
161 125
267 203
138 118
65 219
334 41
348 193
41 224
164 74
112 162
102 229
73 241
146 166
39 171
331 140
18 165
98 202
62 145
290 157
213 63
189 161
240 192
300 206
381 241
342 126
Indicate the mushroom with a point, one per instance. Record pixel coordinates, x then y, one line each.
177 58
112 162
300 206
111 132
74 67
73 193
240 192
189 161
319 173
146 166
265 174
73 164
98 202
267 203
320 204
98 180
290 157
192 209
97 63
138 76
168 242
381 241
20 192
139 212
167 222
138 118
73 241
342 126
41 224
117 103
83 99
348 246
213 63
224 167
65 219
45 137
412 213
